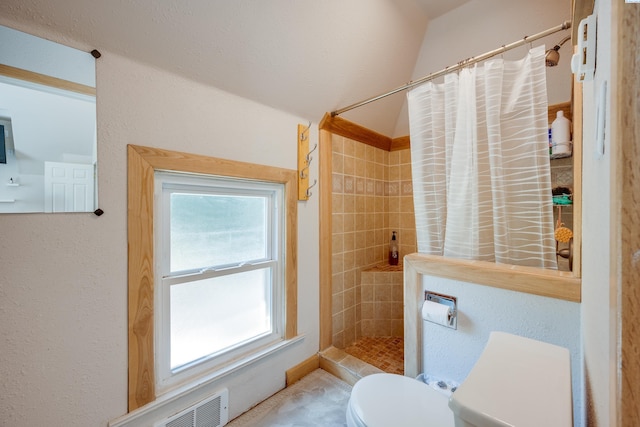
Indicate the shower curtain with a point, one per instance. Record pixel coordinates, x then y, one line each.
480 164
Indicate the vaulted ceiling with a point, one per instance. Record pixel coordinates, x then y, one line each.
304 57
300 56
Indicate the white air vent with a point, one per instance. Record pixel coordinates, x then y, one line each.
211 412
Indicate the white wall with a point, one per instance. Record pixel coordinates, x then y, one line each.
599 292
451 353
63 288
480 26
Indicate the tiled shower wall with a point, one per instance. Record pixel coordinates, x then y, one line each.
372 196
382 302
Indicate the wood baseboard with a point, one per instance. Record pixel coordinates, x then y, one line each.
302 369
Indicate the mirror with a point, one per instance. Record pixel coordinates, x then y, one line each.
48 144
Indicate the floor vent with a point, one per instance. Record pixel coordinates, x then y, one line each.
211 412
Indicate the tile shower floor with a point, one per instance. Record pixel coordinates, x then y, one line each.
385 353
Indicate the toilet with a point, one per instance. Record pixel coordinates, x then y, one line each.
516 381
394 400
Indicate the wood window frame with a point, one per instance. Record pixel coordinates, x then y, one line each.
142 162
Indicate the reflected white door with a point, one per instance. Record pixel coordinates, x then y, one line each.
68 187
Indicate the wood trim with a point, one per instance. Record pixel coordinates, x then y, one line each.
303 162
141 164
43 79
339 126
412 288
627 128
160 159
351 130
576 118
141 280
400 143
530 280
301 370
326 231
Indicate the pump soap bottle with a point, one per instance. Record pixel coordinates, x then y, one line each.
393 250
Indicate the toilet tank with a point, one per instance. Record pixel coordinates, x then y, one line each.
516 381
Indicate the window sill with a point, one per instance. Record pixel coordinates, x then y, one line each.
202 382
227 369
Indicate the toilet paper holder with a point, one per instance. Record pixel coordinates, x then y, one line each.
448 300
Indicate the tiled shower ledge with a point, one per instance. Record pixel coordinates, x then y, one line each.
344 366
384 267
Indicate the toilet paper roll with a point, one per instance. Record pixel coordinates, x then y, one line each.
436 313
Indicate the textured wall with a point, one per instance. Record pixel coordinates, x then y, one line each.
63 288
450 354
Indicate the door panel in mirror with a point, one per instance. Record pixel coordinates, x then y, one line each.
48 111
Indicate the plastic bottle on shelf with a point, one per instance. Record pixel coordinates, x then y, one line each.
393 250
561 135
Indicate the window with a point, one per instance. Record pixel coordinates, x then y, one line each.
219 271
171 277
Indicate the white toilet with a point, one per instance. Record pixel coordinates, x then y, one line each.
516 382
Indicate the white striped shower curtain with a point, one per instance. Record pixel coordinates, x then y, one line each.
480 164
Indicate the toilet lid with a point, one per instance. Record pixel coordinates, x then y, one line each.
382 400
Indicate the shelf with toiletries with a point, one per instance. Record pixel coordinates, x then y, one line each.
561 161
563 227
562 198
560 155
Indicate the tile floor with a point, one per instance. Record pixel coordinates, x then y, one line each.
320 398
386 353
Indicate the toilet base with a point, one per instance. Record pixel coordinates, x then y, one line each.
383 400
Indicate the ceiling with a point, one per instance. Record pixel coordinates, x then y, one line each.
300 56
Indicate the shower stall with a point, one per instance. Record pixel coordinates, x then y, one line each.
369 194
371 197
367 188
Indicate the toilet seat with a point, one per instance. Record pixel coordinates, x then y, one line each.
383 400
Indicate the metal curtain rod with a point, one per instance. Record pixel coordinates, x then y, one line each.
474 59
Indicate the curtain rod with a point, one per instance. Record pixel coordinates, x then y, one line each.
474 59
